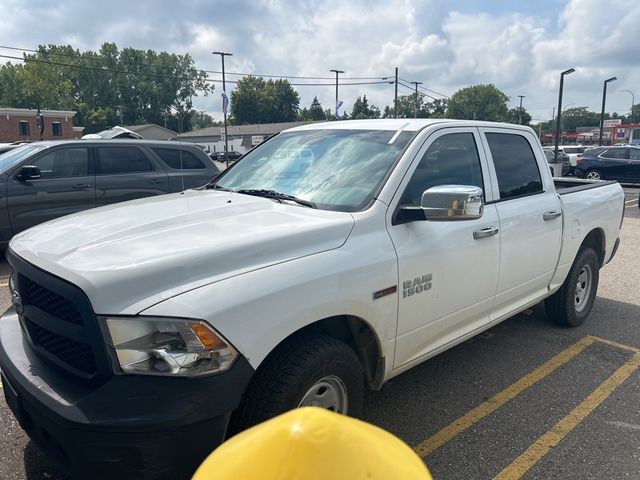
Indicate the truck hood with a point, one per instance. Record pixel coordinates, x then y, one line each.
129 256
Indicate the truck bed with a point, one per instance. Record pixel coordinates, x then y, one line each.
566 185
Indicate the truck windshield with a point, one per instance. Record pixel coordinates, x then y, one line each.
335 169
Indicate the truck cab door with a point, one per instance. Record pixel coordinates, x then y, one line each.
530 217
66 185
448 270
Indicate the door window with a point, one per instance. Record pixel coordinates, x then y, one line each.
617 153
450 160
178 159
515 164
65 162
634 153
122 160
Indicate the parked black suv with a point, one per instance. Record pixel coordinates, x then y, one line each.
46 180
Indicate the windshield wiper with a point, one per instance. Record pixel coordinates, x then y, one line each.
278 196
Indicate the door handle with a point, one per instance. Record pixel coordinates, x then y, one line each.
81 186
485 232
157 180
551 215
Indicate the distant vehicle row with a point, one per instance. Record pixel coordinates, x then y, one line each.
46 180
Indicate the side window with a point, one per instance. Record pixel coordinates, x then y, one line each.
24 130
122 160
64 162
450 160
178 159
618 153
56 129
515 163
634 153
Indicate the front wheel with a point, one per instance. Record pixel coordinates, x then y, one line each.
309 370
593 175
571 305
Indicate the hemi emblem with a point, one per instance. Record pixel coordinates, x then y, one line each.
384 292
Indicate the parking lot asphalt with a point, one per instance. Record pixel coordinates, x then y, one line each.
525 399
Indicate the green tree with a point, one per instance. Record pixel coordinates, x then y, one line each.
315 110
256 101
478 102
515 115
145 86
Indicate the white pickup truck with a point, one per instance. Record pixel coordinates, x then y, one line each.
331 258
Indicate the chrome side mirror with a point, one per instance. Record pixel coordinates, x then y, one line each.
452 202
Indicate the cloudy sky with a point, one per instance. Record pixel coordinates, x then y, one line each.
520 46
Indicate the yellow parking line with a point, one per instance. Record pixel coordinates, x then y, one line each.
553 437
616 344
2 284
427 446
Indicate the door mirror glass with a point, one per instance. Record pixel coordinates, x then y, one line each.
29 172
452 202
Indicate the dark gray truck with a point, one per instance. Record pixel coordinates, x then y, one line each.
45 180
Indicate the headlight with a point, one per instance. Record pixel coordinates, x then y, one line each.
168 346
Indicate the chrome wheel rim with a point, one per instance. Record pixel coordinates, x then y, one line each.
583 288
329 392
593 176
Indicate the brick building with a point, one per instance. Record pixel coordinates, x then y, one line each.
20 124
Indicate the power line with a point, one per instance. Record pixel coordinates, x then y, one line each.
426 89
102 57
419 93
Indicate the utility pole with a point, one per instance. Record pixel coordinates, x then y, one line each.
604 99
337 72
225 103
520 110
415 104
395 98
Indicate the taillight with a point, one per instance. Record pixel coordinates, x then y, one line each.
579 159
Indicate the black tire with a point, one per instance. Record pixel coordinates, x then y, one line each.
593 175
290 371
564 307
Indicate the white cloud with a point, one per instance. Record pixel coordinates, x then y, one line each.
446 45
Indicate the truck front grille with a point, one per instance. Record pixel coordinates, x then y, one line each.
51 302
74 354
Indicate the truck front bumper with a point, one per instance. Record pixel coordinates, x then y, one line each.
130 426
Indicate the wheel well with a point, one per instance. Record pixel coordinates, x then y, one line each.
356 333
596 240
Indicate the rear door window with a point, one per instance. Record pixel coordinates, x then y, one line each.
515 165
179 159
122 159
617 153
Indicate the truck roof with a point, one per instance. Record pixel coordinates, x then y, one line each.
409 124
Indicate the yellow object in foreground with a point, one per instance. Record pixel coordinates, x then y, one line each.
313 444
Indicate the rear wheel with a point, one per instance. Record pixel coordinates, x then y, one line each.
571 305
308 370
594 175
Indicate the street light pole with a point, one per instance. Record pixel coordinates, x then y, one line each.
415 104
633 102
337 72
555 150
520 111
225 102
604 99
395 98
